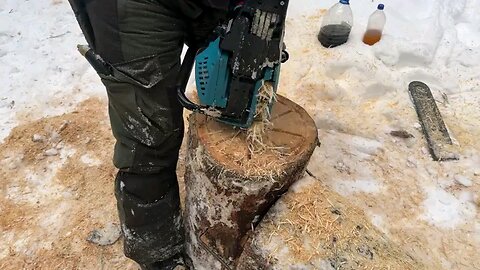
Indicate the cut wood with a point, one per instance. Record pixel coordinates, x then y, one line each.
229 189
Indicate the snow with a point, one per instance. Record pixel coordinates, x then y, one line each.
90 160
40 70
50 221
463 180
348 187
356 94
37 138
377 220
447 211
41 184
105 236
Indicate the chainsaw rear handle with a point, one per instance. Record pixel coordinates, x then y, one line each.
182 81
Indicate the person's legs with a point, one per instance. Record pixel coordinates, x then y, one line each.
144 39
148 125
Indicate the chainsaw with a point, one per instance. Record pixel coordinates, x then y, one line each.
244 55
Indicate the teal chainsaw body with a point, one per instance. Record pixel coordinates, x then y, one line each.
213 76
245 54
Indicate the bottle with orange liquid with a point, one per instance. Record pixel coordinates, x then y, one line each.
376 22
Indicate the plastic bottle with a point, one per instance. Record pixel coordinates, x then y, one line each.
336 25
376 22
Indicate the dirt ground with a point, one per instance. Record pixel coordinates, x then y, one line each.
55 188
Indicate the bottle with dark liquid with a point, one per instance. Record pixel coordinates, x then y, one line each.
336 25
376 23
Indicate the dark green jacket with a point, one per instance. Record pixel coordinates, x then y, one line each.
219 4
189 8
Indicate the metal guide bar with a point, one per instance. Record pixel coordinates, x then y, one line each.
436 133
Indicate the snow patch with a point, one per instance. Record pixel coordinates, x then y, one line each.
51 152
105 236
444 210
40 70
378 221
302 184
12 161
24 245
90 160
358 145
54 221
464 181
356 186
40 185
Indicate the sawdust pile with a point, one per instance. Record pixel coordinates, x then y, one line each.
55 188
269 162
318 229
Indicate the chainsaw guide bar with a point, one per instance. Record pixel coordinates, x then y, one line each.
438 139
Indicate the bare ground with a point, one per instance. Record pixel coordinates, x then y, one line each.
55 188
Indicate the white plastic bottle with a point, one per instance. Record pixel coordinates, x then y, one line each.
336 25
376 23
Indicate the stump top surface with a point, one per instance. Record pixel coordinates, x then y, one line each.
292 135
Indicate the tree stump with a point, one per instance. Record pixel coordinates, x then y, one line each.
229 189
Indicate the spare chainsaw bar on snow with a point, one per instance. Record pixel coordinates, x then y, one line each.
436 133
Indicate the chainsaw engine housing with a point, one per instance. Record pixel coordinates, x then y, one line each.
213 77
246 54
